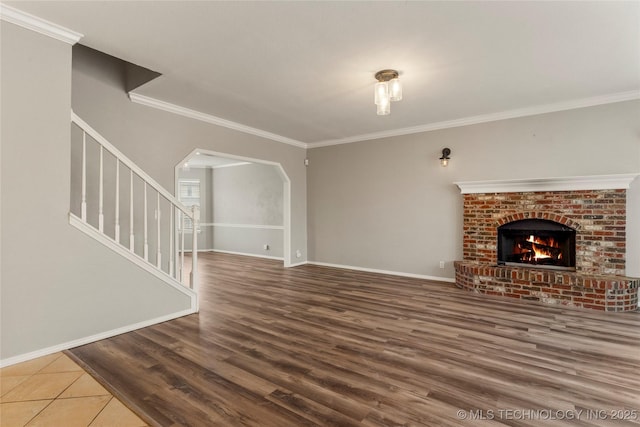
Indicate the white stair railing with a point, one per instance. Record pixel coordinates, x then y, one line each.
167 259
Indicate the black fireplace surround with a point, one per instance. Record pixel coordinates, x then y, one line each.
537 242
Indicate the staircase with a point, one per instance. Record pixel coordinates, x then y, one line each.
118 204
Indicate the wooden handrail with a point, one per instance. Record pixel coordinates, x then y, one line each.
128 163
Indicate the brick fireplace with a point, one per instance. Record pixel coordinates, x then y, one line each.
595 207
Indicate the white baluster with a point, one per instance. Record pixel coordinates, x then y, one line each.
182 219
83 205
101 192
194 248
171 232
159 253
117 232
146 230
131 236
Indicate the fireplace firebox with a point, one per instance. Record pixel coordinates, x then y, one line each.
537 242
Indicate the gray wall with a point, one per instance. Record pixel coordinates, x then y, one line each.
388 204
57 284
248 194
158 140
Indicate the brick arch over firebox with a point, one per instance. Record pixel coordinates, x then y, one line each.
550 216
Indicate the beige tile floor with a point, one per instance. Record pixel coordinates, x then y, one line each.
54 391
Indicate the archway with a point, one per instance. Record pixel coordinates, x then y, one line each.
200 158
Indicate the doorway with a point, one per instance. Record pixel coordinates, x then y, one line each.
245 203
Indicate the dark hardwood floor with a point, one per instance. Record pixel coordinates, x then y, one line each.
321 346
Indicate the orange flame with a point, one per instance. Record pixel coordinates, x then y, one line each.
541 247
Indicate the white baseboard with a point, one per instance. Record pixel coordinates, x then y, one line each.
247 254
297 264
393 273
253 255
93 338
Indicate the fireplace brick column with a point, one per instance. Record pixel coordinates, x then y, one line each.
599 217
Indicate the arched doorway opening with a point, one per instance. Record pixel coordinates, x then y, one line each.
245 203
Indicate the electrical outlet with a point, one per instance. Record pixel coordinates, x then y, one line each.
441 264
298 253
265 247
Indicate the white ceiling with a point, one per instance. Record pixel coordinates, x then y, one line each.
304 70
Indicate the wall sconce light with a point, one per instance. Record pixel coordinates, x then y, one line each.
444 160
386 90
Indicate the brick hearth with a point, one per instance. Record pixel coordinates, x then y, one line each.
599 218
610 293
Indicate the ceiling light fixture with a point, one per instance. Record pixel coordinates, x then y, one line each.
386 90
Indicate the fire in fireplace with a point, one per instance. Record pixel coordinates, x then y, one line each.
537 242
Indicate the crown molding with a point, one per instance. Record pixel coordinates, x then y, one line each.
570 183
39 25
466 121
197 115
484 118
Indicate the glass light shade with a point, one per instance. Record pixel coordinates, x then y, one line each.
444 162
381 93
395 90
384 108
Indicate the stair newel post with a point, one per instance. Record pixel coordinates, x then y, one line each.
117 230
159 252
101 192
131 236
83 205
145 252
195 210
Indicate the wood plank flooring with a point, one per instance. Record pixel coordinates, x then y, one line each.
321 346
